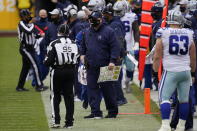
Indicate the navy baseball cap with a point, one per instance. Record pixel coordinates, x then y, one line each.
95 15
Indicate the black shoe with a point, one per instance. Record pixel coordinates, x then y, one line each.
41 88
21 89
68 126
85 105
110 116
122 102
92 116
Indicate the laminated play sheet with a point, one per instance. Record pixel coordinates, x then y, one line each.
109 75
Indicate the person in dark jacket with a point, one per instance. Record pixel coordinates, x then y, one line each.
81 15
99 48
57 20
116 24
156 13
75 28
41 24
72 21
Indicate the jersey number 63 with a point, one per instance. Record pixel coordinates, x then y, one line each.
178 45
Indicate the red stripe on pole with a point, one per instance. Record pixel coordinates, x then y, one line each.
138 113
145 30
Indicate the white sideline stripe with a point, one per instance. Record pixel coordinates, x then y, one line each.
52 97
34 65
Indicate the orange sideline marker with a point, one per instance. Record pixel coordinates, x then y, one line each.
147 101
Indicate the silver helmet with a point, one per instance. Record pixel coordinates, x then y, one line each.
119 8
175 17
128 6
96 5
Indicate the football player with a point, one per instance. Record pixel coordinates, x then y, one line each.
176 47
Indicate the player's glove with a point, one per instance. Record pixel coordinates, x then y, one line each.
136 50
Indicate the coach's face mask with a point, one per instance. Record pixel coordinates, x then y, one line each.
182 9
43 19
95 22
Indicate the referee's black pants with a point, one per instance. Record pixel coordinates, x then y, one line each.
28 61
61 83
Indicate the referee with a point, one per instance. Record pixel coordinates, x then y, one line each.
62 56
27 41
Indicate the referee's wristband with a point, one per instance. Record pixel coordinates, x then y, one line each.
193 74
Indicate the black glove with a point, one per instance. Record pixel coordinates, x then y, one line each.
155 74
86 64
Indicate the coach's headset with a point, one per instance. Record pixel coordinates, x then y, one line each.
71 11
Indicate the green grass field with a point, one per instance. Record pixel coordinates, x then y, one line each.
30 111
18 111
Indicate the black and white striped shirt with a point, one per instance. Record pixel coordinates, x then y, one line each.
62 51
26 34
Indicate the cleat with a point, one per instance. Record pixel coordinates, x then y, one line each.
55 126
92 116
110 116
41 88
68 127
122 102
21 89
85 105
165 128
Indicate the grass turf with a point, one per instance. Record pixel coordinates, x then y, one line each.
19 111
139 94
126 122
133 122
24 111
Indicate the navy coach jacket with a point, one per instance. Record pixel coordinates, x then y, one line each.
100 46
75 28
119 29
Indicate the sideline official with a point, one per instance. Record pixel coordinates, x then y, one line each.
62 56
99 48
27 39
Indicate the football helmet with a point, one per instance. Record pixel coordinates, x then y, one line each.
175 17
119 8
96 5
127 4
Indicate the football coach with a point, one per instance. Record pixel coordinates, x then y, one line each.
99 48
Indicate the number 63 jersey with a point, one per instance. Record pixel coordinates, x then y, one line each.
176 44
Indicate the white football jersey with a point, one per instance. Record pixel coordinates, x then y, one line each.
128 20
176 44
